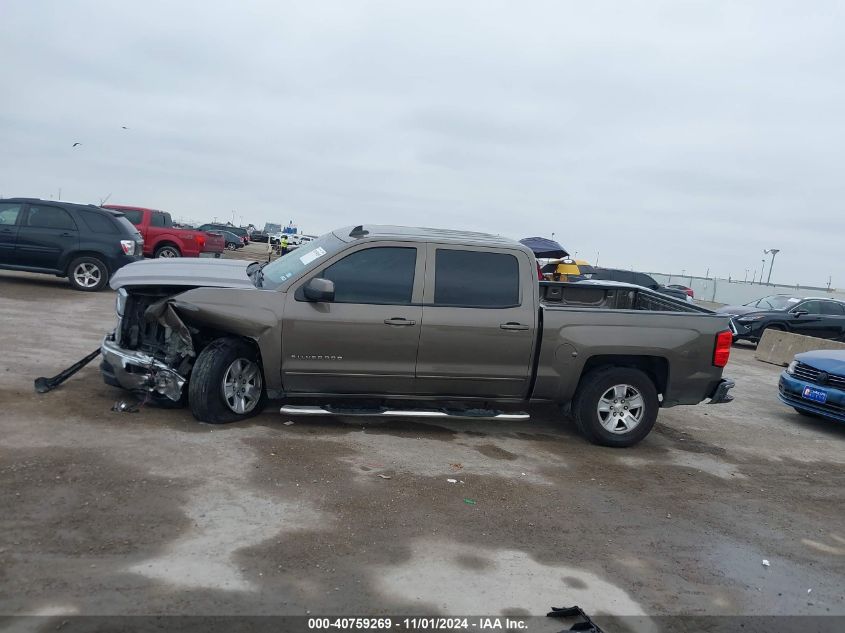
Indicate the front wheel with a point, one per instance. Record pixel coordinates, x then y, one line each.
227 383
615 406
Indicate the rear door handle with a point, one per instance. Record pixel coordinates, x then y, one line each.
399 321
511 325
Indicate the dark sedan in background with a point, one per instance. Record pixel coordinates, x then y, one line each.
811 316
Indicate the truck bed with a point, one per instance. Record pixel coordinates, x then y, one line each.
585 324
608 295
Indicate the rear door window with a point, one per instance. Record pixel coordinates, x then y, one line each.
831 307
475 279
381 275
49 218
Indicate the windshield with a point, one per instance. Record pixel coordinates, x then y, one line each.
775 302
293 263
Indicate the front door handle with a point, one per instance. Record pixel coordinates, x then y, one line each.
399 321
511 325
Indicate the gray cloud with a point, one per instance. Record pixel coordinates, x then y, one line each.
666 136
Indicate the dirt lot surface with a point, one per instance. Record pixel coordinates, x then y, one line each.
152 512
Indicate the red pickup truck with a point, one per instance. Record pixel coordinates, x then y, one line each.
162 239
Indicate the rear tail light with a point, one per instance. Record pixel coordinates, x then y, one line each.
128 247
201 241
722 351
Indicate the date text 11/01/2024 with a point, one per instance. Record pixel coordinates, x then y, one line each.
418 623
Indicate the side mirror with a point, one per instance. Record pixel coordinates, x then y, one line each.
799 313
319 289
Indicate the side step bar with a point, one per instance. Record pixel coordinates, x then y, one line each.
472 414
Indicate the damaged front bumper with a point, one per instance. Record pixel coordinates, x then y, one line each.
720 394
138 371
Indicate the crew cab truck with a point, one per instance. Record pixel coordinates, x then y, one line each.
162 239
382 320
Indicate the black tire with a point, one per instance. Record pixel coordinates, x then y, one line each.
168 250
83 271
205 389
230 246
595 385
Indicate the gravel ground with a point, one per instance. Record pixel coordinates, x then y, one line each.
154 513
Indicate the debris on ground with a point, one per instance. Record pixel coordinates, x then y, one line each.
288 423
457 466
586 624
44 384
452 481
124 406
384 476
765 563
470 502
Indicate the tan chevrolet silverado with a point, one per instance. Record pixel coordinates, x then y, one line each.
386 320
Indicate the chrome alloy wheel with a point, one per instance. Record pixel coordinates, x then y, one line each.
242 386
621 409
87 275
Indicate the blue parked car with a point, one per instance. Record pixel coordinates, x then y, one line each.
814 384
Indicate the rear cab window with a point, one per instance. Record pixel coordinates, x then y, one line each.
475 279
161 219
135 216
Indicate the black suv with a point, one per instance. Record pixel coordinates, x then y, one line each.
640 279
84 243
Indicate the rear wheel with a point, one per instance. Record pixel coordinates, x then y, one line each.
167 251
615 406
227 383
88 274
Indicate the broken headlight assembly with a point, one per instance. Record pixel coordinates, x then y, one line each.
120 301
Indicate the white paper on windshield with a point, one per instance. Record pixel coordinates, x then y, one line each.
793 300
310 256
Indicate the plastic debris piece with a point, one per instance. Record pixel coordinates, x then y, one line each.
470 502
384 476
765 563
452 481
809 590
288 423
457 466
122 406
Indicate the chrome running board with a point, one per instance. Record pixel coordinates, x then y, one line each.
472 414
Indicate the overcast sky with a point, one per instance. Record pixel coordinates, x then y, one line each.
664 136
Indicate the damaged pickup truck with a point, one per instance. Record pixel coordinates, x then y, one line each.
384 320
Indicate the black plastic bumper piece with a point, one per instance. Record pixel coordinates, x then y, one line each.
720 394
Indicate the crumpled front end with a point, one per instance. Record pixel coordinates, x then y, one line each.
137 371
151 350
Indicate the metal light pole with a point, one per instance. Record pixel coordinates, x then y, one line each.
773 251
